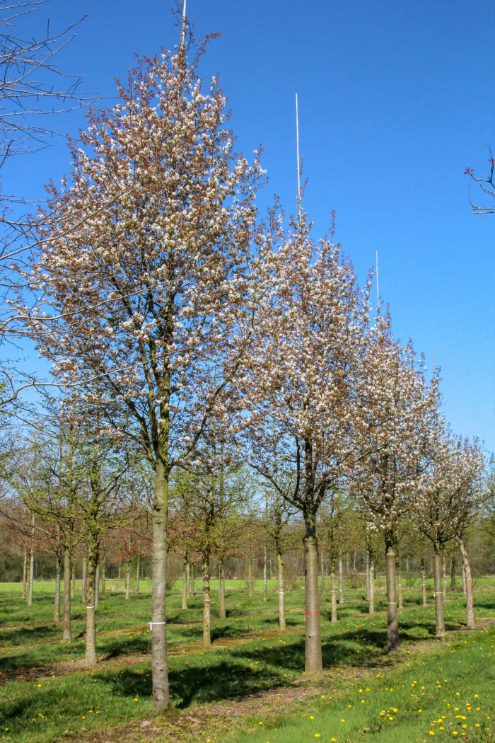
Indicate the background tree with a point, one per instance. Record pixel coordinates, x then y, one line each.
396 410
300 383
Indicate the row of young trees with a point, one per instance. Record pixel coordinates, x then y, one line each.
196 340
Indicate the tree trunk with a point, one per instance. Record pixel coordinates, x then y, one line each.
222 612
138 576
67 628
470 622
128 581
371 588
101 588
463 578
265 576
192 588
312 654
453 571
84 578
159 668
24 574
322 572
73 573
400 595
438 583
341 580
281 592
333 592
392 617
367 569
205 569
31 566
97 586
423 583
56 607
444 577
250 579
188 579
185 587
90 606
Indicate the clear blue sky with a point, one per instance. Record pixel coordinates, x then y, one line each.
396 100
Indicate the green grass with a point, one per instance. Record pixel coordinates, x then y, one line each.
446 693
48 696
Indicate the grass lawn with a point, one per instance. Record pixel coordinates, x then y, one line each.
249 686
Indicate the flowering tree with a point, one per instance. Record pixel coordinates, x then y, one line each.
449 496
145 293
396 409
299 388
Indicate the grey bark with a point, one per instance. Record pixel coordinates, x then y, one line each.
205 569
423 583
128 580
341 580
265 575
392 616
91 603
222 612
312 655
185 578
56 606
439 596
400 594
281 592
470 621
24 574
101 587
67 626
97 585
84 578
159 666
371 585
138 575
31 565
250 578
333 594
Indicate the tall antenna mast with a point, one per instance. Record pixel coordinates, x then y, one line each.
182 45
377 276
298 160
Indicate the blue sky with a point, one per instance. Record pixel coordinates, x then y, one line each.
396 100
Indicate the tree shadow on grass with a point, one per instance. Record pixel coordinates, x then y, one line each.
24 635
116 646
226 679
